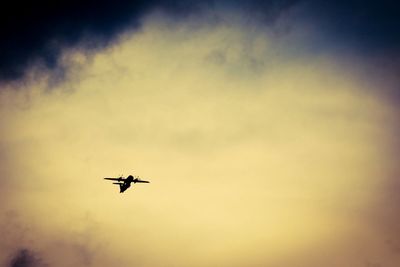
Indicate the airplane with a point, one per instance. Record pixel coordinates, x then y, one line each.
125 183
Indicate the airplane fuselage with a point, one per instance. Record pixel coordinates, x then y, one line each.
126 184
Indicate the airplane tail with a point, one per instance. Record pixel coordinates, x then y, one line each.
120 187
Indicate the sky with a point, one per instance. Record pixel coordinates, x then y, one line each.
268 130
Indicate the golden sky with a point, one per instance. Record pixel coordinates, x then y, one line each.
258 152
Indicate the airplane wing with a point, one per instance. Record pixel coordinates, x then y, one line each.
141 181
115 179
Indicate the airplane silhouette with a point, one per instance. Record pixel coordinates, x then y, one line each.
125 183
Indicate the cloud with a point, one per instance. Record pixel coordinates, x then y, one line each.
31 245
35 34
259 153
26 258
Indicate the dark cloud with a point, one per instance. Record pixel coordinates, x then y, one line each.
26 258
366 25
36 32
23 244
